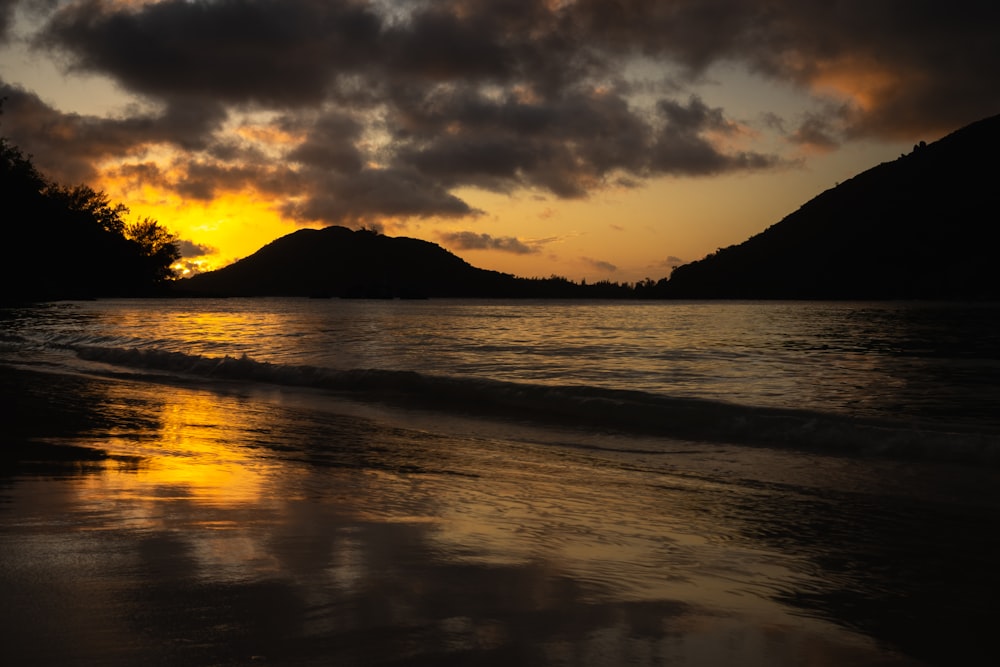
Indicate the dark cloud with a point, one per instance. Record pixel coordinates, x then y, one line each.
568 144
140 174
371 193
935 63
203 180
188 123
330 143
495 41
198 179
393 111
913 66
815 132
476 241
248 51
437 44
682 147
190 249
6 17
65 146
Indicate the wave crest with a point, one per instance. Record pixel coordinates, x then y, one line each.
616 410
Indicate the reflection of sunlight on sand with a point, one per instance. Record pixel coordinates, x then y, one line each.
199 480
199 453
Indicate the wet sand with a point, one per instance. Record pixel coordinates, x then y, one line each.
203 528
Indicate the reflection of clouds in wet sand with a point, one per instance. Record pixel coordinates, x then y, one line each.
366 592
253 529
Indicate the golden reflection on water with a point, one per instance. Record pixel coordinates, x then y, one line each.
213 328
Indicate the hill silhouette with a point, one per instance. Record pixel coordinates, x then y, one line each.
924 226
337 261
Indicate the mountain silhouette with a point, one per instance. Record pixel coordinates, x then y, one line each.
337 261
924 226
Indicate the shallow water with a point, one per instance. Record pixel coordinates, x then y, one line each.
240 521
910 358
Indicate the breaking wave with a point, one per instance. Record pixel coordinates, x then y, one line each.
606 409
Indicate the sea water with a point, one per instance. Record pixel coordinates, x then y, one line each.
310 481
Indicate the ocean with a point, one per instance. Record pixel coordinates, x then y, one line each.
325 481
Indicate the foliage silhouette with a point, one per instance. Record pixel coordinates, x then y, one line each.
157 246
72 242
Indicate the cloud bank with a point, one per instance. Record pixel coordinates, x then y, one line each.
371 110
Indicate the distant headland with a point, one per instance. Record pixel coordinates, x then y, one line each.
924 226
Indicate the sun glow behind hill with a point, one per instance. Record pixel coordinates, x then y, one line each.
216 231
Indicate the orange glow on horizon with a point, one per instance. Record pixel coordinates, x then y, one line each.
230 226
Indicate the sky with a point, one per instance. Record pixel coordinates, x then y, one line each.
591 139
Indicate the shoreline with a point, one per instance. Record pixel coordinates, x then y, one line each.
223 529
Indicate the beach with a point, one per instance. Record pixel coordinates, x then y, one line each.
156 517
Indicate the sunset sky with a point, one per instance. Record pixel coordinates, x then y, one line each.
596 139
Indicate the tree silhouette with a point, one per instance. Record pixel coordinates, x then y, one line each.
86 203
157 246
72 242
